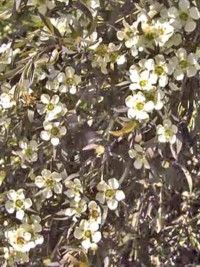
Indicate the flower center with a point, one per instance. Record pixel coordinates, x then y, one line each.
159 70
20 240
143 83
19 203
113 57
70 81
168 133
94 214
183 64
50 107
109 193
49 182
54 131
183 16
87 234
29 152
139 106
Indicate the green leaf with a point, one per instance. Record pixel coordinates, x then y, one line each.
50 26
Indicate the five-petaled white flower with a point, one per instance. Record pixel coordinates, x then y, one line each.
109 193
138 107
53 131
50 106
167 132
69 80
29 150
94 212
88 232
75 189
50 181
76 208
183 16
138 154
185 64
17 202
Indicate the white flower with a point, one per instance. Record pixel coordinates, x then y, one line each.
184 16
29 150
75 189
50 181
138 154
155 96
185 64
20 239
138 107
53 82
109 193
12 256
88 232
69 80
129 34
159 67
43 5
157 32
53 131
76 208
7 96
94 212
167 132
17 202
51 106
61 23
141 80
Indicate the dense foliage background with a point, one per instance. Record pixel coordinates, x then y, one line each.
99 133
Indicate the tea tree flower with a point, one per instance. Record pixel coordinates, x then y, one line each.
88 232
109 193
29 150
94 212
185 64
50 182
17 202
43 5
167 132
142 80
183 16
138 106
75 189
138 154
128 34
53 131
51 106
155 96
69 80
76 208
12 256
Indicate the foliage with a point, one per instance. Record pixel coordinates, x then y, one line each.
99 133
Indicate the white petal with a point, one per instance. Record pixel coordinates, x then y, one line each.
194 13
184 5
138 163
9 207
86 243
94 226
20 214
27 203
12 194
45 135
96 237
55 141
45 99
100 197
57 188
113 183
55 99
190 26
191 71
119 195
112 204
78 233
39 181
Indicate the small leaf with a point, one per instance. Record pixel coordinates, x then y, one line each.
127 128
50 26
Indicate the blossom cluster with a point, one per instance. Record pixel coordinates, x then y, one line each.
67 79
